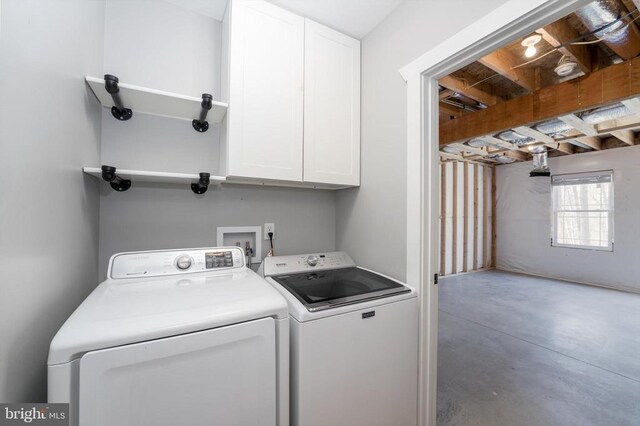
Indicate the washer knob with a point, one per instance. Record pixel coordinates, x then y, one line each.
184 262
312 260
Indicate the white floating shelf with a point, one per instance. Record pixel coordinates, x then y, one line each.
158 177
157 102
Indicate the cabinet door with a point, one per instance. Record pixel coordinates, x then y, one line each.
331 106
266 92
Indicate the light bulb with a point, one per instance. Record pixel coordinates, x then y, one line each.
530 52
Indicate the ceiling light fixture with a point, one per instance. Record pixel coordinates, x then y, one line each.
530 43
566 66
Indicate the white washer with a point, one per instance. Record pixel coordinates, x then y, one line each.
354 342
175 337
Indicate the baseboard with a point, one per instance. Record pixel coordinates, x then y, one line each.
567 280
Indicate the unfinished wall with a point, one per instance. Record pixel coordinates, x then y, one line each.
49 129
371 220
523 225
465 217
178 50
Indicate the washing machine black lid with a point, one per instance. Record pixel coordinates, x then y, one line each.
338 287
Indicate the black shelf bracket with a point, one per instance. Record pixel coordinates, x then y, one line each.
202 185
116 182
201 125
118 111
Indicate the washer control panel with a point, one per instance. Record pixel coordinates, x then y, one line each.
173 262
278 265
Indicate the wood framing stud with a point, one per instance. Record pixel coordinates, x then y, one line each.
476 181
465 220
454 227
486 190
493 217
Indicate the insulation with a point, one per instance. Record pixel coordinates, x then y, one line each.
452 149
553 127
478 143
609 112
502 159
481 143
557 127
616 33
515 138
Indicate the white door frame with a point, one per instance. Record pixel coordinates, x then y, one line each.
513 19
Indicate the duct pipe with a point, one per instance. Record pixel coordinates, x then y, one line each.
540 164
625 42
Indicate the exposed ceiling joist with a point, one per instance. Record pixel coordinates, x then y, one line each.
563 147
503 62
516 155
532 133
471 150
560 32
591 142
498 142
446 93
471 92
449 156
625 136
612 84
633 104
578 124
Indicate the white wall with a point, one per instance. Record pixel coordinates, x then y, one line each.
524 222
178 50
49 129
371 220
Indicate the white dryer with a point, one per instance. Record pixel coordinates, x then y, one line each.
175 337
354 342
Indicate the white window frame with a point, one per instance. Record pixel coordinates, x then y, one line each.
554 212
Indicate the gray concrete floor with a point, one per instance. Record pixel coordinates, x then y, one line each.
519 350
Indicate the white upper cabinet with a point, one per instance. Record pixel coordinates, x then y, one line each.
331 106
293 89
265 91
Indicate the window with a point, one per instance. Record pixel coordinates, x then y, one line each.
583 210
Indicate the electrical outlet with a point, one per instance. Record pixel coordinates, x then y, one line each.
269 227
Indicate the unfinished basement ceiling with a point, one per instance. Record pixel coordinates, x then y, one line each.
501 108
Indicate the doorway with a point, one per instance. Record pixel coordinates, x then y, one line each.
512 20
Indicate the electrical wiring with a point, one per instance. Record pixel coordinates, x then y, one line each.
576 41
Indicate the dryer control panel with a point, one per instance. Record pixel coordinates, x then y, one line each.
278 265
174 262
